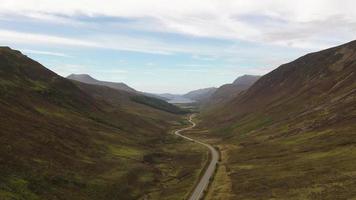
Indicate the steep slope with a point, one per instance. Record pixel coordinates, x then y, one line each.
292 135
85 78
200 95
67 140
227 92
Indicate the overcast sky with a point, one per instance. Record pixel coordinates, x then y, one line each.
173 45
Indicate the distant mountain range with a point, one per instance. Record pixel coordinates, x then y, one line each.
228 91
200 95
148 99
85 78
176 98
195 96
212 95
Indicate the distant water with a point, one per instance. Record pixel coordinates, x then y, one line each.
181 100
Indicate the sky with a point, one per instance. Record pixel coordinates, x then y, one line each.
173 46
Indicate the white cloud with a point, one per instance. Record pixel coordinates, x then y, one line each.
103 41
8 36
114 42
276 31
49 53
97 72
66 69
267 21
112 71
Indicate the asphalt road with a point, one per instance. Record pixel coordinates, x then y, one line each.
209 172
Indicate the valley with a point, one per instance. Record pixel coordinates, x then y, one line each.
289 134
208 173
177 100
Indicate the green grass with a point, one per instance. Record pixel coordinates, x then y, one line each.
13 188
119 150
39 86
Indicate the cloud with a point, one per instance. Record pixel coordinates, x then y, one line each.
103 41
66 69
111 71
218 38
96 71
148 45
269 21
49 53
9 36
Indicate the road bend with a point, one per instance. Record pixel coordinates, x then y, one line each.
209 172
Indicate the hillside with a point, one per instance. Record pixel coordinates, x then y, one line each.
85 78
68 140
123 98
227 92
200 95
148 99
158 104
291 135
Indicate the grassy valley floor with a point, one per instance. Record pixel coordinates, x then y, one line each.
166 169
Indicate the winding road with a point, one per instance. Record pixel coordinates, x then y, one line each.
209 172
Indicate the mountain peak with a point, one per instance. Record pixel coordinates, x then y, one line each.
86 78
5 48
10 51
200 94
246 79
81 77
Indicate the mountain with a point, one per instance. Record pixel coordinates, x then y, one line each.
190 97
227 92
117 97
200 95
292 134
247 80
212 95
62 139
85 78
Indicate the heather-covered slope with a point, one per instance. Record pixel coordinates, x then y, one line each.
291 135
66 140
227 92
